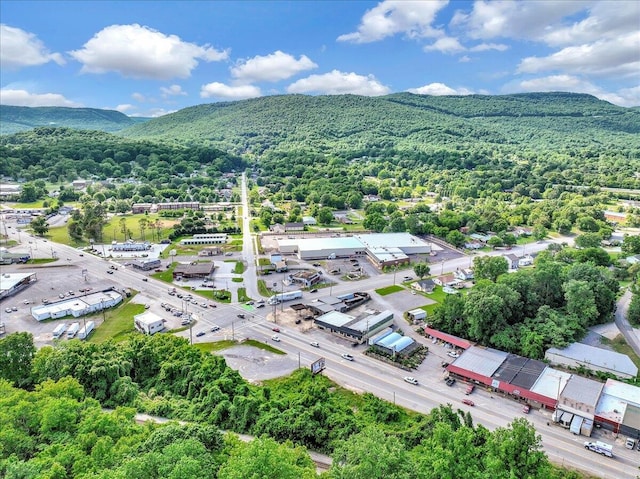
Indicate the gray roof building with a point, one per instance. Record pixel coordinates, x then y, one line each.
596 359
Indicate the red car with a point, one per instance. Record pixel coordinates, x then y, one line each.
277 330
470 389
468 402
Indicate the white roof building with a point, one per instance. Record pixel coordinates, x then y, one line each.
596 359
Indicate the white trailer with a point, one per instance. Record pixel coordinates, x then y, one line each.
73 329
600 447
86 331
59 331
282 297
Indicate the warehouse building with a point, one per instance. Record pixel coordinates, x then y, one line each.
76 307
12 283
595 359
209 238
618 408
356 329
148 323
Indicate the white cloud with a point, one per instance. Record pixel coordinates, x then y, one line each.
339 83
23 49
25 98
483 47
624 97
274 67
445 45
125 107
139 97
439 89
619 57
137 51
173 90
229 92
390 17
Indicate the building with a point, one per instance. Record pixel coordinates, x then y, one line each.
194 270
356 329
446 280
393 344
342 303
306 278
512 260
130 246
526 260
309 221
208 238
619 408
210 251
146 264
77 306
12 283
424 285
595 359
288 227
416 314
465 274
148 323
155 207
447 338
577 402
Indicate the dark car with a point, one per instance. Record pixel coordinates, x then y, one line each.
468 402
241 316
260 305
201 333
277 330
314 290
450 382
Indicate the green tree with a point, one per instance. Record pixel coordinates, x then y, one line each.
421 270
16 354
263 457
456 238
633 313
489 267
325 215
588 240
631 244
40 226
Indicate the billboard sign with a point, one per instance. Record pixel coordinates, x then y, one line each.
317 366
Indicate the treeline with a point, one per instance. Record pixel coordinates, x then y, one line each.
530 310
59 430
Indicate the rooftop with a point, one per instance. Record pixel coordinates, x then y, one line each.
483 361
599 357
586 391
519 371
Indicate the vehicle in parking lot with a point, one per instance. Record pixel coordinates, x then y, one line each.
275 338
26 301
109 271
277 330
241 316
200 333
184 322
346 356
450 382
215 328
407 278
298 321
315 344
7 310
526 408
469 389
468 402
14 308
249 303
444 364
453 354
411 380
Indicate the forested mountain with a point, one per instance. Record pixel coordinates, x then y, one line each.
14 119
403 121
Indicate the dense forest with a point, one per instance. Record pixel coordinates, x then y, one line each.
14 119
55 427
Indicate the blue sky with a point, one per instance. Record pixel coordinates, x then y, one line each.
149 58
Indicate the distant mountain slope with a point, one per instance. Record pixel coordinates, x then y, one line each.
402 121
14 119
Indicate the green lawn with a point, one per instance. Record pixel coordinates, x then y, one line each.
118 322
239 268
41 260
389 290
216 346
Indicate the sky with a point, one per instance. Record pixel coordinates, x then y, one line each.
150 58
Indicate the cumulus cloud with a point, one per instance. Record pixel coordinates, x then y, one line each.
445 45
229 92
617 57
624 97
23 49
25 98
137 51
339 83
439 89
274 67
139 97
391 17
483 47
125 107
173 90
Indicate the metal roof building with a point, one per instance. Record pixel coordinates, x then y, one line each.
596 359
479 362
580 396
619 408
355 328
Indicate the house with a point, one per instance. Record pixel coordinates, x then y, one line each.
526 260
463 274
294 226
512 261
148 323
446 280
277 228
309 220
480 237
473 245
633 259
424 285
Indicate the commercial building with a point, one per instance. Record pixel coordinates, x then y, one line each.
146 264
194 270
130 246
595 359
618 408
148 323
208 238
341 303
356 329
393 343
12 283
77 306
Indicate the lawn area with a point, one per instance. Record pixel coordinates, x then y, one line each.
216 346
242 295
389 290
259 345
118 322
41 260
238 268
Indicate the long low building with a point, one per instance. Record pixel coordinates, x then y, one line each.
382 249
356 329
77 306
596 359
12 283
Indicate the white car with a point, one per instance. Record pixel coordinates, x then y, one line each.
315 344
275 338
453 354
346 356
411 380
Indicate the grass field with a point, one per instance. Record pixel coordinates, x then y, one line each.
389 290
118 323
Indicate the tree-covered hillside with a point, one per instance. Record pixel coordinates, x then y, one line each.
404 121
14 119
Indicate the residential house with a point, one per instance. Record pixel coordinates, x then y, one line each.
446 280
309 220
512 261
424 285
465 274
294 227
526 260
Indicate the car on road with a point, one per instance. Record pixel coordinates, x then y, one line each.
444 364
317 265
407 278
526 408
275 338
241 316
315 344
411 380
346 356
109 271
450 382
468 402
145 279
215 328
61 296
200 333
184 322
453 354
277 330
469 389
80 254
212 305
261 305
314 290
147 306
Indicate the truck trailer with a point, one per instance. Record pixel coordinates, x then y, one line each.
600 447
59 331
86 331
282 297
72 331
